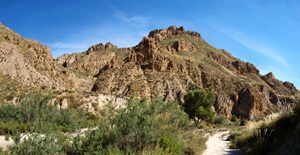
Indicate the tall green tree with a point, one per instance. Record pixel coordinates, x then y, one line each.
197 104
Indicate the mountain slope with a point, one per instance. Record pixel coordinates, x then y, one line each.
170 62
166 64
31 62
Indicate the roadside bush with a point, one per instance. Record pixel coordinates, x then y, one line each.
169 144
235 120
140 127
259 142
220 120
51 143
141 124
197 104
268 135
35 110
244 122
192 142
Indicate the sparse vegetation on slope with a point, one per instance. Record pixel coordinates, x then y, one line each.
139 128
278 135
35 111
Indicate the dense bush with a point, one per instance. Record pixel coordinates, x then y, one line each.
139 128
244 121
220 120
235 120
198 105
52 143
35 110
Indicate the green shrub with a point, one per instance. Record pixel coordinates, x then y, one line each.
35 110
150 120
9 112
7 137
191 142
9 97
244 122
233 118
36 144
197 104
233 138
220 120
140 127
169 144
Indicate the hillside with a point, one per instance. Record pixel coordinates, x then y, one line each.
30 62
166 64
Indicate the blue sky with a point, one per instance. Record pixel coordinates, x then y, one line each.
265 33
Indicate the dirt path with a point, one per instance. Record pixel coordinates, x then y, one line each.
218 145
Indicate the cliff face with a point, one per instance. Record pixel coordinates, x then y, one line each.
25 60
170 62
167 64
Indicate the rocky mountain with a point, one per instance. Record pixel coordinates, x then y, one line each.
166 64
30 62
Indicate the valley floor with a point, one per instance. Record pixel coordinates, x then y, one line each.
219 145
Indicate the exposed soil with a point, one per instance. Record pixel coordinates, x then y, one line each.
219 145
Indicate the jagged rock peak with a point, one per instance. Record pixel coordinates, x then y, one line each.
290 86
270 76
162 34
148 46
245 67
100 46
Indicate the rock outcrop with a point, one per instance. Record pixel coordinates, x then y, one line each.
183 45
167 64
14 65
162 34
164 66
247 67
283 88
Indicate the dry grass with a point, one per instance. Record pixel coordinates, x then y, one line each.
258 137
252 126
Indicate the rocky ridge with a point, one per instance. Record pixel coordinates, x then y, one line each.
30 62
170 62
166 64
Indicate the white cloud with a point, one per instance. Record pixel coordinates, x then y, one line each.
127 31
132 20
115 33
62 45
252 43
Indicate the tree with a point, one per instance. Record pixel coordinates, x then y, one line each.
197 104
